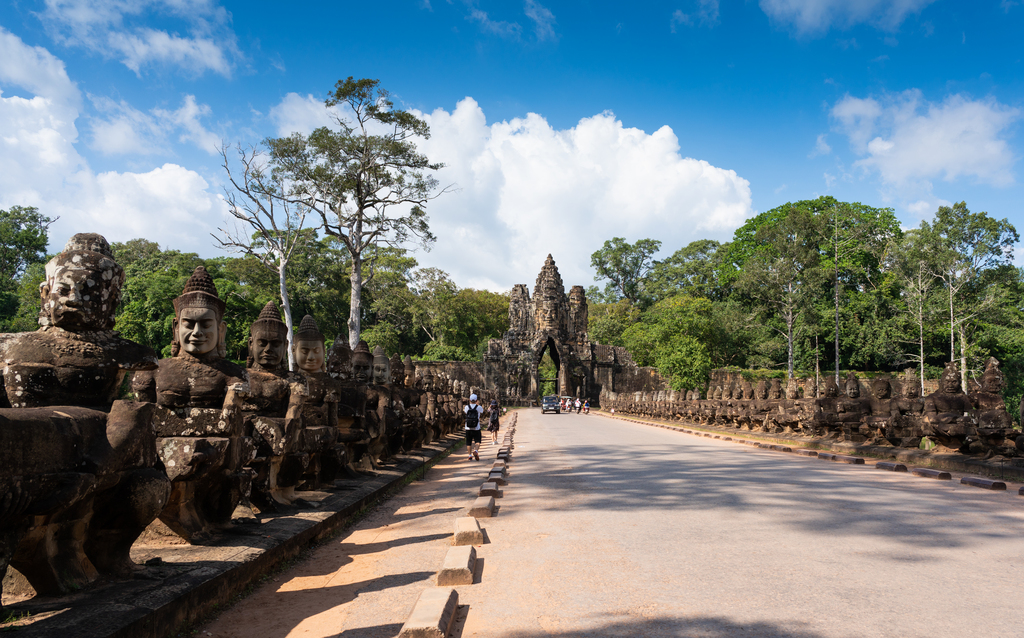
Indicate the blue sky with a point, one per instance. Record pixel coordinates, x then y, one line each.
562 123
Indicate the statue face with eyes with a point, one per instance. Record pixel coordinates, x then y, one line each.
198 330
268 347
77 298
309 356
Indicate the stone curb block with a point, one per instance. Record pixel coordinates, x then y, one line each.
467 532
930 473
497 477
458 566
986 484
483 507
826 456
433 614
490 489
780 448
892 467
807 452
842 458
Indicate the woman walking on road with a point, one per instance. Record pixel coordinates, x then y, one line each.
473 412
493 425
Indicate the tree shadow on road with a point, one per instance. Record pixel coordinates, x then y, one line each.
658 627
691 475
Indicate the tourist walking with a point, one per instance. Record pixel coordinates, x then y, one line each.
492 427
473 412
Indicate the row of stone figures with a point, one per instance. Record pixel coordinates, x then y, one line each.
82 474
949 418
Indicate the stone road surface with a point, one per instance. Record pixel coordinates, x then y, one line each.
609 528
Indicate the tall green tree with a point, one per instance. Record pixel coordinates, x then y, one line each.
973 252
693 270
626 267
365 178
673 336
781 271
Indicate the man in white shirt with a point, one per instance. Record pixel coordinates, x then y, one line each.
473 413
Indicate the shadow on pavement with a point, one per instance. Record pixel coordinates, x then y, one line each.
686 476
694 627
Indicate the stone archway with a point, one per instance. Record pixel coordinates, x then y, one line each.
551 348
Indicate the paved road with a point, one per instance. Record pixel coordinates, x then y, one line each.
610 528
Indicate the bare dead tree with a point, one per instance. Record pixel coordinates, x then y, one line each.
257 199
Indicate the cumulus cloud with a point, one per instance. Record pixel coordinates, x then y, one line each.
701 13
298 113
113 28
123 129
526 189
815 17
40 166
909 141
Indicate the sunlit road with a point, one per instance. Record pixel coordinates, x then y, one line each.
610 528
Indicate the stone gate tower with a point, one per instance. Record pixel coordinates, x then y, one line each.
551 321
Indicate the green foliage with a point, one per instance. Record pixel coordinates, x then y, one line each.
626 267
546 370
673 336
23 239
607 322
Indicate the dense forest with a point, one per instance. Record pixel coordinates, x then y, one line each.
820 285
815 285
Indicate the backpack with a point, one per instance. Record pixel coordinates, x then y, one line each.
494 415
472 417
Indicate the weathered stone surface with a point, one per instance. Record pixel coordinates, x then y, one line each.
457 569
433 615
483 507
497 477
930 473
467 531
984 483
890 466
807 452
842 458
490 489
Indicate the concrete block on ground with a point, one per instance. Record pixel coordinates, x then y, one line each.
891 466
1020 492
983 483
852 460
727 438
467 532
433 614
930 473
490 489
497 477
807 452
483 507
780 448
827 456
458 567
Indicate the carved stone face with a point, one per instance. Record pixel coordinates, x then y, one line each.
198 330
77 298
792 391
852 388
992 382
775 391
880 389
309 355
361 368
911 388
950 381
268 347
831 389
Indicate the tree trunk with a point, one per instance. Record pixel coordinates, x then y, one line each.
963 359
817 369
920 340
282 265
355 311
952 347
789 331
836 256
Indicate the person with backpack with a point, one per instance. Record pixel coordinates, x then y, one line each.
492 426
473 412
578 405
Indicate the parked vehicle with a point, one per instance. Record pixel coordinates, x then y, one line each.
550 403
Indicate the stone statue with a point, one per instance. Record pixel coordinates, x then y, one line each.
883 414
78 484
948 413
197 413
994 422
273 413
339 360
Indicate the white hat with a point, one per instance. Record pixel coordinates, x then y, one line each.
472 397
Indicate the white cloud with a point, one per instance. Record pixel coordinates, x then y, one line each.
909 141
544 20
39 166
112 28
701 12
821 147
127 130
526 189
510 30
297 113
814 17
